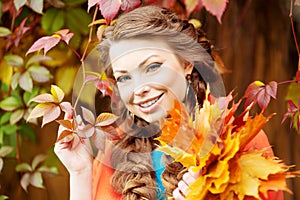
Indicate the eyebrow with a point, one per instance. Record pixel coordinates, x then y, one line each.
140 65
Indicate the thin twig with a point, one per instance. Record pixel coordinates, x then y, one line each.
293 31
18 157
82 60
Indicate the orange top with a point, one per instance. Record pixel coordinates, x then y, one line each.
102 173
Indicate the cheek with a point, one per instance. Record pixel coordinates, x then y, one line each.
125 92
174 81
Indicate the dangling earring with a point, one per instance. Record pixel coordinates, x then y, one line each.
131 115
189 81
190 99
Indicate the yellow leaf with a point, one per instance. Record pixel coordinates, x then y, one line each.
6 72
179 155
275 182
39 110
57 93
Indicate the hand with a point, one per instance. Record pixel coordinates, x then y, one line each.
77 156
187 179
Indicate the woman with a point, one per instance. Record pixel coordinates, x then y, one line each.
149 52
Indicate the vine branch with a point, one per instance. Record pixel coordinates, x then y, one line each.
82 60
294 33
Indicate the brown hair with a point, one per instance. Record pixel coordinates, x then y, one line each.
134 175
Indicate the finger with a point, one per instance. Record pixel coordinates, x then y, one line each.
177 195
188 178
183 188
194 173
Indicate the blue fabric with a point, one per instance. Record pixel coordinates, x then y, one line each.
159 168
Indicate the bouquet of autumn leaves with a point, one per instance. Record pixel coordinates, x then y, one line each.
214 142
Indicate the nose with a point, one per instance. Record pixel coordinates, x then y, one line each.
142 90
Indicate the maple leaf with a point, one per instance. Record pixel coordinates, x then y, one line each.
258 92
48 42
50 105
215 7
228 170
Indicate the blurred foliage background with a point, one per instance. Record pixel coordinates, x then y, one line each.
254 41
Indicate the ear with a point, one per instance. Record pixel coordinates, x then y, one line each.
188 68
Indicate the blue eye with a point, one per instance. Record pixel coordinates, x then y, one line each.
153 67
123 78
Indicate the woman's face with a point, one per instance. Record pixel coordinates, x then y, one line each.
149 77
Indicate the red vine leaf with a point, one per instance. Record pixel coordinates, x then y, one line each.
67 135
109 8
48 42
258 92
292 111
51 114
105 119
88 116
216 7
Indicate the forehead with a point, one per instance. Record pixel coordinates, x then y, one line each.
136 49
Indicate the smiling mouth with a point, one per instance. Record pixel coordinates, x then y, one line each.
150 103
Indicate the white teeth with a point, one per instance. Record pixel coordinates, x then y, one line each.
149 103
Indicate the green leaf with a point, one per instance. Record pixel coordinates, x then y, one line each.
19 3
5 117
45 169
3 197
15 80
23 167
1 135
36 180
25 130
29 95
77 20
25 81
53 20
14 60
16 116
39 74
36 5
37 59
9 129
25 180
5 150
38 160
10 103
4 31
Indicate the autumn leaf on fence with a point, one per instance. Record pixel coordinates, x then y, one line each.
50 105
258 92
48 42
